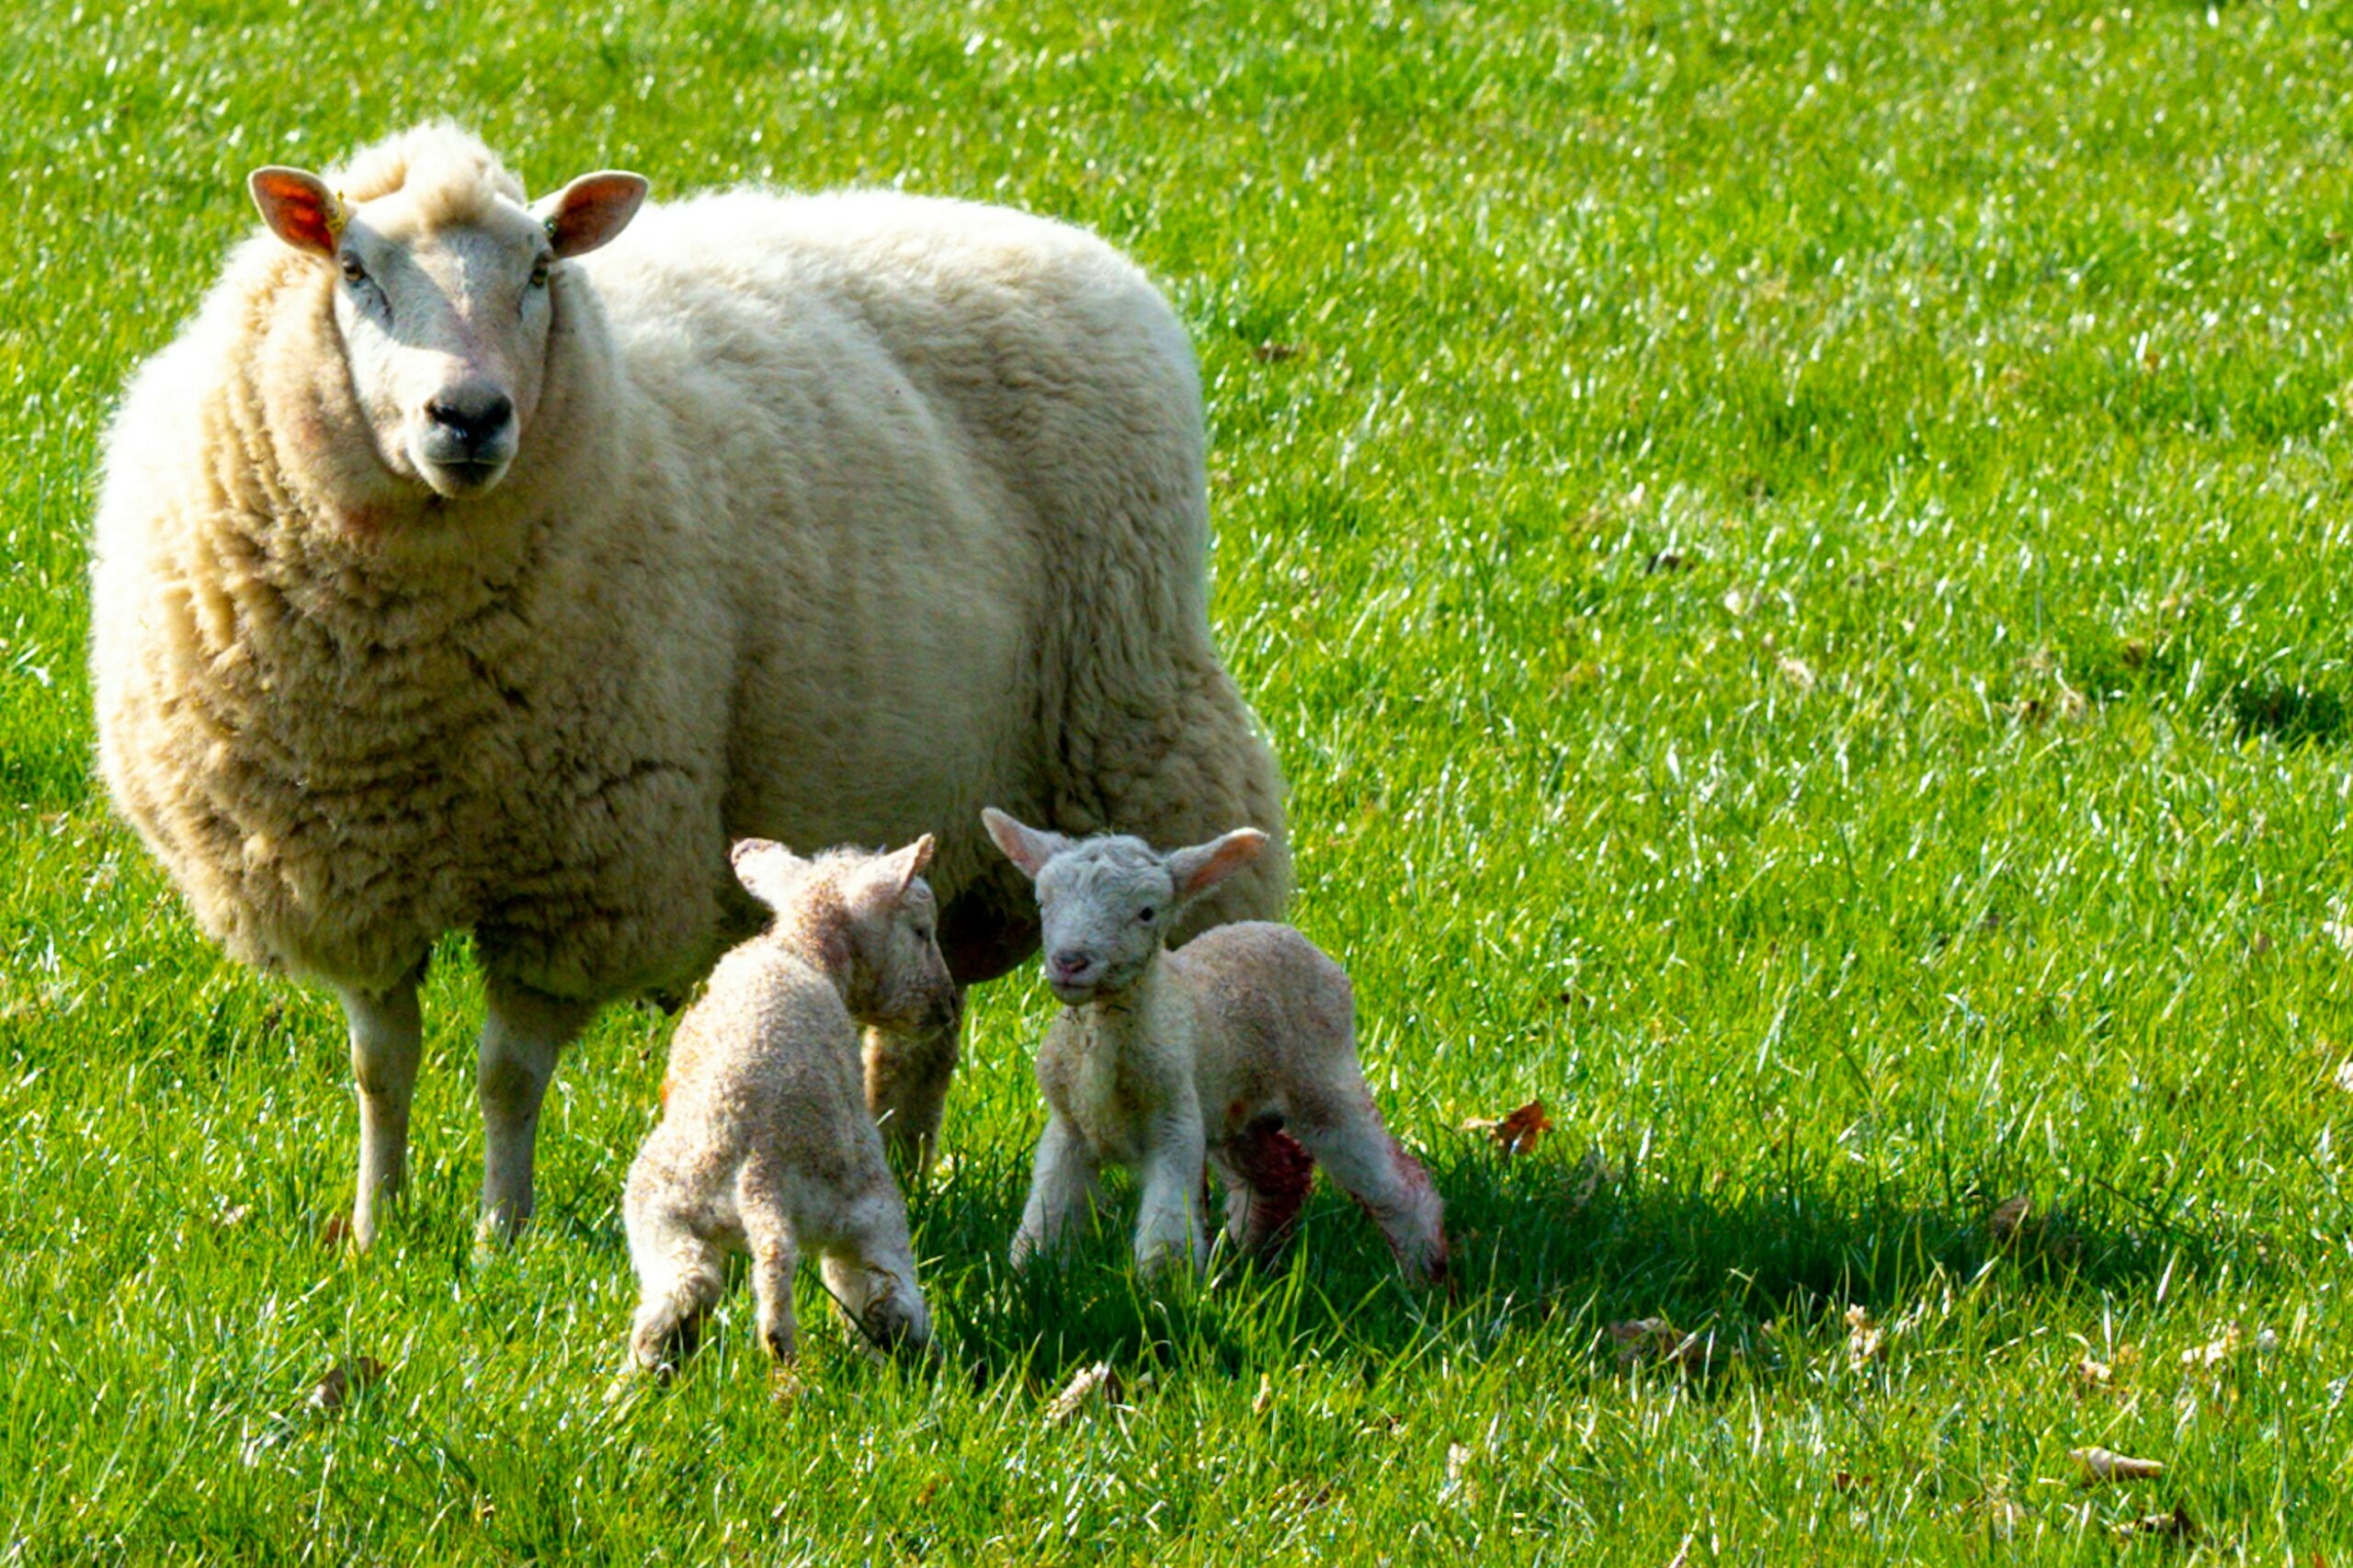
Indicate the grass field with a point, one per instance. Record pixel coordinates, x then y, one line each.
1797 559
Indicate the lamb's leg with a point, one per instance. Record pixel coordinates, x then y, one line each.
1062 1183
1346 1134
871 1272
680 1275
1170 1224
525 1033
1266 1176
907 1072
387 1034
769 1234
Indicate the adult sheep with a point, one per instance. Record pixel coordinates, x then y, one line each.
449 576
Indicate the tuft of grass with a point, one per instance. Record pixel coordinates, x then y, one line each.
1796 558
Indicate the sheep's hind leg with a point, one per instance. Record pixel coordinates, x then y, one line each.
680 1275
1389 1184
769 1234
525 1034
1267 1176
871 1272
387 1035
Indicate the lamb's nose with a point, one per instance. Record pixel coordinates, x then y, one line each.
1070 961
474 416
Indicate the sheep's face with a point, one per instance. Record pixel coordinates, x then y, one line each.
1106 903
445 309
875 911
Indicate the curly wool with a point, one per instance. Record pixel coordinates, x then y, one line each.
840 516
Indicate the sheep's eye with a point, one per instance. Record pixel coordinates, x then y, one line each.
352 271
1145 914
539 273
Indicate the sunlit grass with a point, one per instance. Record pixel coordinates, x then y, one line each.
1796 558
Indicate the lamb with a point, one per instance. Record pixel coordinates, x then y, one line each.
1239 1047
764 1141
472 565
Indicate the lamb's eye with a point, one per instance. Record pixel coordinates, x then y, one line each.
1145 914
539 273
352 271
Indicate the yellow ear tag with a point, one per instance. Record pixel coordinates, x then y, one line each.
337 217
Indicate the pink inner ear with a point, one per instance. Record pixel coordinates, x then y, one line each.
592 211
298 209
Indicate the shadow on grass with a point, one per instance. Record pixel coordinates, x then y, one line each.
1537 1238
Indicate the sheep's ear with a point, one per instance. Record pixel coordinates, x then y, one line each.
1202 868
591 210
896 873
298 207
1028 848
750 848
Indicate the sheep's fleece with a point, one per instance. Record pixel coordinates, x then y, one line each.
836 517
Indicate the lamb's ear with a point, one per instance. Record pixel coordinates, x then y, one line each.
1202 868
298 207
894 874
591 210
1028 848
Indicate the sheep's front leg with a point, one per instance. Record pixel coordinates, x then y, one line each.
387 1035
1063 1182
524 1035
1170 1225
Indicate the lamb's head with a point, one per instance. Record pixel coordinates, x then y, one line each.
446 287
1107 902
872 913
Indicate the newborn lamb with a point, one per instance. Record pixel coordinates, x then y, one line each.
765 1142
1239 1048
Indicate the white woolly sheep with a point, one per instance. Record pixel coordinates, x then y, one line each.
764 1141
449 576
1240 1047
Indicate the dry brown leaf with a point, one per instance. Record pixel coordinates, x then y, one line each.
1275 353
336 1231
1845 1481
2175 1526
1084 1388
1667 560
1866 1340
1656 1339
2009 1218
1300 1494
2103 1465
1516 1133
2091 1373
345 1381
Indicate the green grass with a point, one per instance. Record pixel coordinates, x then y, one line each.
1796 557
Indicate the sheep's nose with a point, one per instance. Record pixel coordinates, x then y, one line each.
474 416
1070 963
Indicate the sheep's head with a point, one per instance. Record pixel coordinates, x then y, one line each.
874 912
446 287
1106 902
